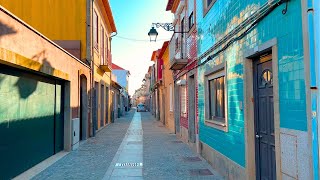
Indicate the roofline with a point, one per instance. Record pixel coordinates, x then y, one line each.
164 48
107 7
153 56
7 12
169 5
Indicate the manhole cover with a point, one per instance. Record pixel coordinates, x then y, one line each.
134 142
191 159
200 172
129 164
176 142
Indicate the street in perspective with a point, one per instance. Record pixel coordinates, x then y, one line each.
159 89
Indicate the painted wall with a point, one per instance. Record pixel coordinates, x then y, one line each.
222 18
122 77
168 80
58 19
42 56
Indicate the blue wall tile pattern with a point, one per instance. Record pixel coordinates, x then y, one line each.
222 18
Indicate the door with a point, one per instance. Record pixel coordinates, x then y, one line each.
191 110
102 105
83 108
31 120
177 108
264 119
107 105
59 123
95 107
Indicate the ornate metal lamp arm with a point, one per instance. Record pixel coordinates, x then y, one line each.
165 26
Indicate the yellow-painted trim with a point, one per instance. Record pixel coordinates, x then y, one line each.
9 58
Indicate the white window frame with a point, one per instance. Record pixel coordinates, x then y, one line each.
183 89
216 72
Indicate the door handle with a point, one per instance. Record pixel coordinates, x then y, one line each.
258 137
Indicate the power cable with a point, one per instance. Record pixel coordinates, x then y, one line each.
137 40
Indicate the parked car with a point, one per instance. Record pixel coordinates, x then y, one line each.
141 108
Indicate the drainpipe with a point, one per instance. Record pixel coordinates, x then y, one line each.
317 57
88 56
89 37
314 88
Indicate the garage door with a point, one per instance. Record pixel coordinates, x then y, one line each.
31 120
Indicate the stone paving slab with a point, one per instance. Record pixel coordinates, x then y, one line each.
92 159
164 159
149 142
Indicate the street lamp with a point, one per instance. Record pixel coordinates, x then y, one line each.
166 26
153 34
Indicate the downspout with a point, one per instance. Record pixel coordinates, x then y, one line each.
88 56
317 57
89 35
112 35
314 86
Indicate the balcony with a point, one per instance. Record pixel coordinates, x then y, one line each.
178 58
106 62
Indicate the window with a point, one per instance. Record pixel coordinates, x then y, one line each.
95 30
182 37
216 94
102 46
171 97
207 4
183 93
106 49
191 21
215 111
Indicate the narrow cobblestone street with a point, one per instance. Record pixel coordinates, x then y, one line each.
164 156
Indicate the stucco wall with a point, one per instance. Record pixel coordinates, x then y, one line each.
22 47
49 17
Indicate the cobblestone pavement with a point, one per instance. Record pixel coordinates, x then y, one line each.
164 156
92 159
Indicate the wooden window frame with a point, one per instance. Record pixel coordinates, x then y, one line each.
216 122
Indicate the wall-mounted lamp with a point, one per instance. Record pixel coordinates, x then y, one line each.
153 34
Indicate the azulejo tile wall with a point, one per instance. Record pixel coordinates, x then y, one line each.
222 18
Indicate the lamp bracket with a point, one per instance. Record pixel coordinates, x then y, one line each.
165 26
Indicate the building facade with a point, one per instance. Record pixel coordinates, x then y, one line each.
168 84
254 89
123 80
44 92
85 33
183 63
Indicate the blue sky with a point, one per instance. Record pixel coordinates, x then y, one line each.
133 19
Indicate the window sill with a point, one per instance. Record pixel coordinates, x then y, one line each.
217 125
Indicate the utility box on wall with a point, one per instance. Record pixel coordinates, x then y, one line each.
75 133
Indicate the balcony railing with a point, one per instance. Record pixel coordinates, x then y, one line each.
177 53
107 62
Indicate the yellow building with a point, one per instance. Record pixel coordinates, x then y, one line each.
84 28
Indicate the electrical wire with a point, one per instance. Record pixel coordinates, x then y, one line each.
137 40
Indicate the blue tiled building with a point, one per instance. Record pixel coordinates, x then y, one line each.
255 87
